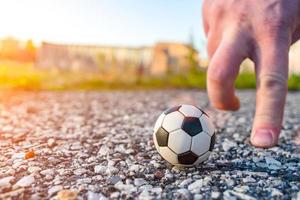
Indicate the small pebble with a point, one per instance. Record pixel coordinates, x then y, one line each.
5 182
53 190
26 181
159 174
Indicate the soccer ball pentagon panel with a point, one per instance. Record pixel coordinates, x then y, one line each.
184 135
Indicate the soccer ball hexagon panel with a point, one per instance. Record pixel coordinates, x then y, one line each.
201 143
173 121
179 141
184 135
190 111
192 126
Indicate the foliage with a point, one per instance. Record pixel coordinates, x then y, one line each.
194 66
11 49
26 76
294 82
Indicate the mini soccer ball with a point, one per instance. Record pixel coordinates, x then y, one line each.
184 135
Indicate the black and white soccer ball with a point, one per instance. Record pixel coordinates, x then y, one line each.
184 135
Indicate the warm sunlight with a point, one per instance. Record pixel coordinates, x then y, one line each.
102 22
119 99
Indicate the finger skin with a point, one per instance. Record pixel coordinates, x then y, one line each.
223 70
220 79
272 76
267 28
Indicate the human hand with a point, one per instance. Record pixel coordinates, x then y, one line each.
262 31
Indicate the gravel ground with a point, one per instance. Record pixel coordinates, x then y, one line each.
98 145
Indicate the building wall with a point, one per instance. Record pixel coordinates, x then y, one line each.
156 60
82 57
171 57
294 57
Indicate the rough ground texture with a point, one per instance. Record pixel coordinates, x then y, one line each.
98 145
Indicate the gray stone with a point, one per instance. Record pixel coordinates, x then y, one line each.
229 182
145 195
80 171
274 167
99 169
111 170
272 161
53 190
134 168
184 193
198 197
139 182
114 195
104 150
196 185
298 196
33 169
249 179
95 196
128 188
276 193
113 180
5 182
103 147
26 181
146 187
51 142
185 182
47 172
215 195
156 190
262 165
242 189
228 144
230 194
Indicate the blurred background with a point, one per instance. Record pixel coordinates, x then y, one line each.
109 44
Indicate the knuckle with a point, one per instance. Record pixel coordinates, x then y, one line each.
271 95
220 76
275 21
276 27
274 82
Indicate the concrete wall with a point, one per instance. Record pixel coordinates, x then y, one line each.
83 57
156 60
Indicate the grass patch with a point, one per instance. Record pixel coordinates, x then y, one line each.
294 82
27 77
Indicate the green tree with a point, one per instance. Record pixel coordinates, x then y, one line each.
192 61
30 51
101 61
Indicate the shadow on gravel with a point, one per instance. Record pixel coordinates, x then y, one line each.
230 167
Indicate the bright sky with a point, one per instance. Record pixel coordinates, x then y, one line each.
112 22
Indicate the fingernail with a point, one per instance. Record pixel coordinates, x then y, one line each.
263 138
